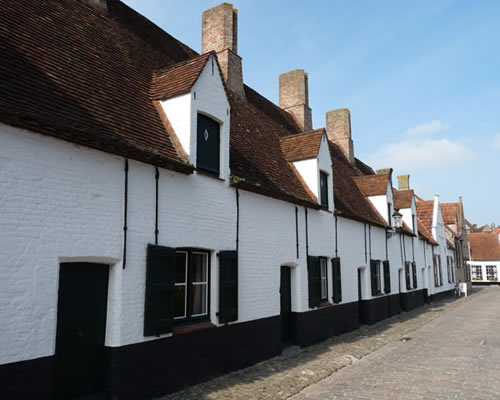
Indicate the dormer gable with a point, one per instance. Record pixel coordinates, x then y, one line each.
404 201
194 101
310 156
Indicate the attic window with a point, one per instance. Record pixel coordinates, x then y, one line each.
323 183
208 145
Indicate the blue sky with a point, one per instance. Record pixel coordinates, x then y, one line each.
421 78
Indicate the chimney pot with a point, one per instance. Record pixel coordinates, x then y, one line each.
338 130
404 182
294 97
220 34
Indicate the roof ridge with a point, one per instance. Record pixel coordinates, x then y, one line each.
182 63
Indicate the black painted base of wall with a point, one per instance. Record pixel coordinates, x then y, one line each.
442 295
315 326
31 379
413 299
379 308
496 283
154 368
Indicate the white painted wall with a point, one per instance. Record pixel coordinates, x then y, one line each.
325 165
59 202
308 169
178 112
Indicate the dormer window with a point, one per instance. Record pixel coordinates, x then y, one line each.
323 183
389 214
208 145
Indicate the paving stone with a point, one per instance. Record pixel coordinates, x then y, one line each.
373 363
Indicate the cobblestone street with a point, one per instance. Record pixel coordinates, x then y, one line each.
440 351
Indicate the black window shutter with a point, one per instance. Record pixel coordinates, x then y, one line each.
228 286
337 280
160 283
414 269
314 281
208 144
407 275
373 276
324 188
387 277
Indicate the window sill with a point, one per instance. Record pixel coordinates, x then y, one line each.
325 304
187 329
209 175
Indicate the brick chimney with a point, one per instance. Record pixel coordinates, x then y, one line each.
404 182
220 34
338 129
294 97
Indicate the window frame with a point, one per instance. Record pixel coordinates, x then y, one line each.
493 273
189 317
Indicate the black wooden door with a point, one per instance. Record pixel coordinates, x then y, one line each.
286 305
81 326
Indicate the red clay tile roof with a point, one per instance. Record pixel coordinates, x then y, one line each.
424 233
402 198
372 185
303 146
449 213
425 211
177 79
484 246
73 72
349 201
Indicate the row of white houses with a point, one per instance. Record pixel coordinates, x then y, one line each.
162 223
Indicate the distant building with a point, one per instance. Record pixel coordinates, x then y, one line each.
485 257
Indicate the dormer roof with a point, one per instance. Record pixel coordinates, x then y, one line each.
402 198
303 146
177 79
373 185
425 212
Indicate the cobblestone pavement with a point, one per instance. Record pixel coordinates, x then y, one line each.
456 356
286 375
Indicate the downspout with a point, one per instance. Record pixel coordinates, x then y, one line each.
297 229
237 219
157 177
125 212
336 240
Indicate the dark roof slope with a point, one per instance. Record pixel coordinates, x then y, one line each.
177 79
484 246
302 146
349 200
256 160
73 72
373 185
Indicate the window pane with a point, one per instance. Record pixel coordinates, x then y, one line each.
180 268
323 289
180 301
199 267
323 268
199 299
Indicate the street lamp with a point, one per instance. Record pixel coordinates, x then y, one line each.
397 219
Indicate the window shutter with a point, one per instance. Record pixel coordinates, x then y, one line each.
387 277
407 275
414 269
207 144
373 276
228 286
314 281
324 188
337 281
160 283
